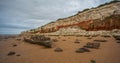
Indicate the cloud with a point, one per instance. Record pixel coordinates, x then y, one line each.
22 15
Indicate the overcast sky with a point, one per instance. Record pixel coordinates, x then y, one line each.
21 15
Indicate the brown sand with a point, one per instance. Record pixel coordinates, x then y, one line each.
109 51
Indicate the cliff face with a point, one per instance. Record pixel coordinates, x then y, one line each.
106 17
109 23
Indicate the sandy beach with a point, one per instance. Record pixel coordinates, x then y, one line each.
31 53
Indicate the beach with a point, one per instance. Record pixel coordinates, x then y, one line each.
32 53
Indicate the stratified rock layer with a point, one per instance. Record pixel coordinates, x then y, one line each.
105 17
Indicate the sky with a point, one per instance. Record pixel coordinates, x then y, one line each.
20 15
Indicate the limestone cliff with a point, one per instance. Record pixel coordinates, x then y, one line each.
104 17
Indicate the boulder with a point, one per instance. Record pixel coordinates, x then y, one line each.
54 40
14 45
82 50
18 55
11 53
100 40
117 37
118 41
58 50
92 45
40 40
93 61
77 41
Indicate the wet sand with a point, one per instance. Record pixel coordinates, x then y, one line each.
108 52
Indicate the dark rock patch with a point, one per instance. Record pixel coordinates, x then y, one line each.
118 41
58 50
18 39
77 41
18 55
54 40
11 53
63 40
86 35
92 45
100 40
14 45
117 37
89 38
93 61
82 50
106 36
94 35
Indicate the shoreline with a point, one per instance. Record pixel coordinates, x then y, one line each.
31 53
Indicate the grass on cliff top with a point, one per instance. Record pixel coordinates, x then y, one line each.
114 1
107 3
